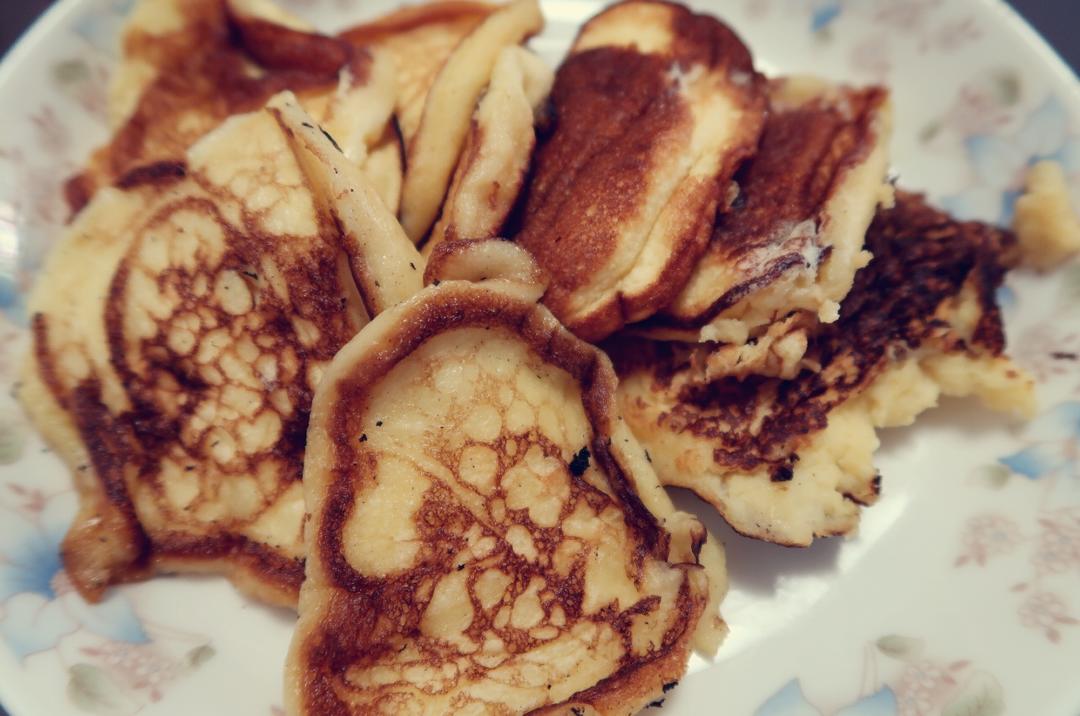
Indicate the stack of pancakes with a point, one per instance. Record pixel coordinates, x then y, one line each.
285 339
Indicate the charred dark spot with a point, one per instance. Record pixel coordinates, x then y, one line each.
658 704
1062 355
875 484
159 173
670 685
783 473
331 138
648 456
378 423
580 463
363 438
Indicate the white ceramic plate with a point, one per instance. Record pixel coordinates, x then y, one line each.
961 594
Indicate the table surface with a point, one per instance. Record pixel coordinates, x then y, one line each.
1056 19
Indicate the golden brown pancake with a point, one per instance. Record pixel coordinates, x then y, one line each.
179 330
495 160
790 460
189 64
433 151
420 39
485 534
793 239
654 110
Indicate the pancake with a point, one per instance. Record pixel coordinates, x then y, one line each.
187 65
420 39
179 330
493 165
433 151
485 535
648 129
789 460
793 239
1046 225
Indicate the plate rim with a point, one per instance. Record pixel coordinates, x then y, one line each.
20 702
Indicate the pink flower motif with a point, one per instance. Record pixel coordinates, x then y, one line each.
140 667
873 56
52 135
1059 542
987 536
906 15
1046 612
923 688
951 36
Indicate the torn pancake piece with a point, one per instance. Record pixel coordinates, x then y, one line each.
433 151
492 169
789 460
648 129
485 535
187 65
419 38
793 238
1046 224
179 330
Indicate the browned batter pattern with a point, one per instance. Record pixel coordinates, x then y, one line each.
921 320
648 129
478 540
792 201
210 295
210 65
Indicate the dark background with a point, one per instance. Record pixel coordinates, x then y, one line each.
1057 20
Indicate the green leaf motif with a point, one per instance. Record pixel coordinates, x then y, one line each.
12 441
1007 85
91 689
980 696
200 655
899 647
71 72
996 476
1071 284
930 131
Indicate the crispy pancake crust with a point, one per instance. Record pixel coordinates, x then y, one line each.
433 151
488 596
648 129
420 39
922 313
495 159
180 328
205 65
804 203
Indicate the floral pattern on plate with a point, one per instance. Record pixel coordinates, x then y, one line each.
995 107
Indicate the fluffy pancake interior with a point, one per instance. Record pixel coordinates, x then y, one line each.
209 294
474 544
646 133
788 460
793 239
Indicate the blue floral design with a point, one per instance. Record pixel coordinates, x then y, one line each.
100 27
790 701
1057 449
823 13
1000 163
39 606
